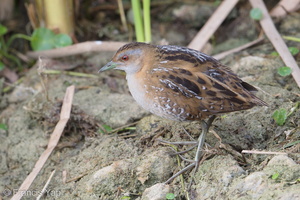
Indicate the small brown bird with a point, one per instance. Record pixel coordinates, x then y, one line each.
182 84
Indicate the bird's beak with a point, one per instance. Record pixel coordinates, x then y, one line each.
109 65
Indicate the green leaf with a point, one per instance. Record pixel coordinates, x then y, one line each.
170 196
294 50
256 14
280 116
284 71
3 30
1 66
274 53
3 127
62 40
291 144
126 197
42 39
275 176
106 129
217 2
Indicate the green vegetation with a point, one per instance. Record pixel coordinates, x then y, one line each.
256 14
170 196
1 66
284 71
3 127
281 114
126 197
5 46
293 50
290 144
291 38
142 28
105 129
275 176
45 39
41 39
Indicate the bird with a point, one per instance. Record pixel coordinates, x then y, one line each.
182 84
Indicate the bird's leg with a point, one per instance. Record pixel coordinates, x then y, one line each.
183 152
201 140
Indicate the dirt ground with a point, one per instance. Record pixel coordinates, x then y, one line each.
133 164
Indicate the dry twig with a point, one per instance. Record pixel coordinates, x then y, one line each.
263 152
64 117
284 7
240 48
84 47
212 24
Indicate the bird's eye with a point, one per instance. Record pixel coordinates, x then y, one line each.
125 57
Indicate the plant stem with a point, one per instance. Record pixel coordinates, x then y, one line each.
291 38
11 57
3 44
293 109
15 36
138 23
10 86
147 20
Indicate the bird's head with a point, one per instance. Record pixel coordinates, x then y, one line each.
129 58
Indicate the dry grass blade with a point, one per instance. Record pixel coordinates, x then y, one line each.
122 15
212 24
238 49
64 117
273 35
90 46
46 185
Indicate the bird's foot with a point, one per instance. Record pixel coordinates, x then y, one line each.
194 164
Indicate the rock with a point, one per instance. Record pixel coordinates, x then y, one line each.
21 93
215 176
281 160
255 184
107 178
291 195
231 173
195 15
156 192
154 166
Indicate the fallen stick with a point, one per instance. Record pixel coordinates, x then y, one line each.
275 38
64 117
90 46
240 48
285 7
212 24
